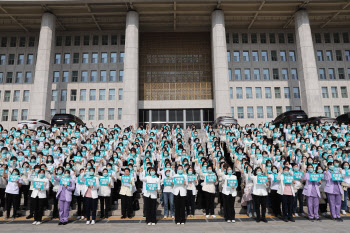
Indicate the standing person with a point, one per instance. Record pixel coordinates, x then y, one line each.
312 192
273 195
229 194
208 187
298 189
192 182
126 194
168 195
286 190
104 193
334 191
259 193
78 193
12 192
64 195
90 195
40 186
179 191
152 183
346 187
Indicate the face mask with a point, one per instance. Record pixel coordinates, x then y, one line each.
152 173
296 169
274 171
331 168
109 168
269 165
67 175
37 170
105 174
190 172
346 167
88 167
59 172
286 173
67 168
180 172
167 174
310 170
14 173
91 173
210 171
229 172
319 171
336 164
41 175
259 173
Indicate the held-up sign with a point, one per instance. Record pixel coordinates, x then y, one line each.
151 186
231 182
262 179
179 180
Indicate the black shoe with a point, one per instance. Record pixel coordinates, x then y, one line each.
29 216
60 223
123 217
311 219
102 216
292 220
65 223
264 220
318 220
286 220
339 220
257 220
129 217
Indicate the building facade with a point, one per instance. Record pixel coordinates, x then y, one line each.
139 62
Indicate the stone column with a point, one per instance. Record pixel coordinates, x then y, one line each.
131 70
221 87
311 101
41 91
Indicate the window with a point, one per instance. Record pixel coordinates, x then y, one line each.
235 55
273 55
7 96
92 94
296 93
344 92
72 111
347 55
64 95
65 76
336 110
22 42
101 114
250 112
31 41
290 38
239 93
341 74
57 58
103 76
248 93
331 73
292 55
256 74
84 76
268 92
104 39
285 74
121 58
346 108
68 41
247 74
260 112
82 113
4 42
24 114
20 59
75 58
111 114
74 76
263 38
66 58
114 40
85 58
244 38
16 96
334 91
53 112
318 38
86 40
254 38
122 40
338 55
319 55
286 93
121 75
77 40
59 41
11 60
266 74
277 92
348 73
258 93
294 74
73 95
113 57
120 113
104 57
120 94
336 37
269 112
281 39
329 55
327 38
255 55
27 79
91 114
102 94
283 55
228 56
5 115
54 95
245 55
272 38
264 56
229 74
325 92
56 77
29 59
13 41
232 111
275 74
82 95
322 73
111 94
93 76
18 77
327 111
1 79
9 77
235 38
2 59
288 108
94 58
231 93
278 110
238 74
240 112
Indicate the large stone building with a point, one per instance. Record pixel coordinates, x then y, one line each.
188 61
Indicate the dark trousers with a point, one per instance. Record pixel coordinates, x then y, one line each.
2 198
105 205
24 189
323 207
55 206
179 208
260 201
209 207
12 200
38 204
151 209
31 203
190 202
287 206
275 199
90 206
298 198
126 205
229 207
80 203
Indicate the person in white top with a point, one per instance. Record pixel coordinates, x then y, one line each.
191 191
79 185
273 195
90 195
180 191
346 187
168 195
126 194
12 192
229 192
259 192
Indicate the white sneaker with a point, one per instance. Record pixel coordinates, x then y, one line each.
182 223
296 215
38 223
149 224
115 202
250 215
172 217
92 222
87 222
165 217
254 214
178 223
207 216
34 223
343 212
302 214
233 221
153 224
213 216
228 220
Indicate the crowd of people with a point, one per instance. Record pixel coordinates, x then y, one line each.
184 170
